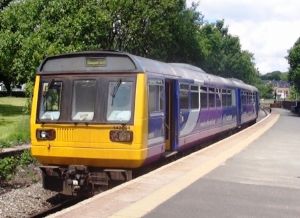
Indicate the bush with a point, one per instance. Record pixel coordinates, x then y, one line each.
9 165
26 158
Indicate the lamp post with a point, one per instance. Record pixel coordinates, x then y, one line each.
117 30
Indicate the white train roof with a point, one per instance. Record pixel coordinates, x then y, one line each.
108 61
190 72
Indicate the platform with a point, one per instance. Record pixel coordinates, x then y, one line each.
255 173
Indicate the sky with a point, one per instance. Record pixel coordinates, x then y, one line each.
266 28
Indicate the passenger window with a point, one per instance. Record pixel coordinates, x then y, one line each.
119 101
84 97
229 98
248 98
184 96
156 96
244 98
51 100
211 97
233 99
218 97
194 97
203 97
224 97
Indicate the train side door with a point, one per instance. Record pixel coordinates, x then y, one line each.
172 113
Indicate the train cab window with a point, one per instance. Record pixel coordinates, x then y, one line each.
184 96
156 96
119 103
218 97
83 101
211 97
50 100
194 97
203 97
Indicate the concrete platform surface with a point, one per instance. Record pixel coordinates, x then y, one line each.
176 190
262 181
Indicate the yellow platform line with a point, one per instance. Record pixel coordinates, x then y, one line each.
145 205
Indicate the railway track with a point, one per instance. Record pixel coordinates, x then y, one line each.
57 207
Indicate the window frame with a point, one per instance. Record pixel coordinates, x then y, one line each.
73 96
193 91
184 88
41 97
211 91
110 97
160 107
218 92
203 89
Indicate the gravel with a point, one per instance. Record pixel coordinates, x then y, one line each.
23 195
25 201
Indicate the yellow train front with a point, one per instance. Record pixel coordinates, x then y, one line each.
88 121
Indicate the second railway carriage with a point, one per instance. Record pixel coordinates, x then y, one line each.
98 115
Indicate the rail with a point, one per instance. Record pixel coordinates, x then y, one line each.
62 205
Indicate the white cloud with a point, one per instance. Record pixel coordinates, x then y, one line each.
266 28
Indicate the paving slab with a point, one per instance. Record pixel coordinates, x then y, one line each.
261 181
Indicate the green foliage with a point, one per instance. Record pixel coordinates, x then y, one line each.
166 30
223 55
4 3
8 165
294 61
294 95
275 75
26 158
34 29
28 93
265 90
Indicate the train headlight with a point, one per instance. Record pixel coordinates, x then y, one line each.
45 134
121 136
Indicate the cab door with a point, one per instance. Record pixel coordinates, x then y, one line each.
172 114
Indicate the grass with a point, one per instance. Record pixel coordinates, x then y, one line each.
14 123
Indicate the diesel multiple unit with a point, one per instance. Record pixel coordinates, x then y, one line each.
96 116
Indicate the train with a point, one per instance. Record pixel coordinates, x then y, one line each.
97 116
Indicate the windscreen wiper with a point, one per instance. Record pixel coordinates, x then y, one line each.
49 87
115 90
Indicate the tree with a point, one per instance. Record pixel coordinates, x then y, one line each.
275 75
223 55
294 62
4 78
33 29
162 29
265 89
4 3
